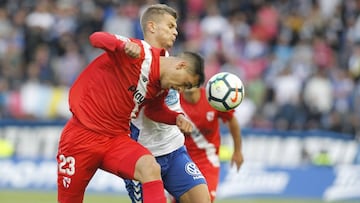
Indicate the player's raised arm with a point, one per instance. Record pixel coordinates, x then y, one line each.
111 43
106 41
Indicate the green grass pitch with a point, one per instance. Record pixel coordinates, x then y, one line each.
19 196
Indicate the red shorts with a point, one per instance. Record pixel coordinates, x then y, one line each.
211 175
82 151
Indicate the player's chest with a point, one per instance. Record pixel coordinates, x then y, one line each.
205 120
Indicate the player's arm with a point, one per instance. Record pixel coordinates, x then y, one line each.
158 111
235 131
111 43
106 41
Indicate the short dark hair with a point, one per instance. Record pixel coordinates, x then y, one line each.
154 13
197 64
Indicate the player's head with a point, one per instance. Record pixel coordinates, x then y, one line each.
158 23
187 72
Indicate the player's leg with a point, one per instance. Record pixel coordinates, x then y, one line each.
134 187
195 194
184 180
128 159
77 162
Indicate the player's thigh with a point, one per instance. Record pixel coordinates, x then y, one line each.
183 175
122 157
198 194
79 155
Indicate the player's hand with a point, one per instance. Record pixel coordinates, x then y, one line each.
184 124
132 49
237 159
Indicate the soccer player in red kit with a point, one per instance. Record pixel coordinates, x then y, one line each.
103 100
203 144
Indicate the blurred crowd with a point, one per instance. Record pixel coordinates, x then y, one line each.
299 59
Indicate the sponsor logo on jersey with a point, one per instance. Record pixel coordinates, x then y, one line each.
171 98
193 170
144 78
138 96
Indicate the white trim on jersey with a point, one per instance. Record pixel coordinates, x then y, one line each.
202 143
122 38
160 138
144 76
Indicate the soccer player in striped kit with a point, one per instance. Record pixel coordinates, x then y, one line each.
182 179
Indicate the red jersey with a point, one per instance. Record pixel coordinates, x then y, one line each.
203 146
112 89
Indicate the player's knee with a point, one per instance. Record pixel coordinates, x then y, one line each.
147 169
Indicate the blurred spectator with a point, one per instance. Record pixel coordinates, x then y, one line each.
266 25
318 97
68 65
212 26
121 20
38 23
287 89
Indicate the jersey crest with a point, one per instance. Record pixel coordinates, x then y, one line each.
210 115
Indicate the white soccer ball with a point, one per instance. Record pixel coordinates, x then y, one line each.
225 91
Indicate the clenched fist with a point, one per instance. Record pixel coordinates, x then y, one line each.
132 49
184 124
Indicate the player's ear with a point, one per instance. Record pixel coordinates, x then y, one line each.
151 26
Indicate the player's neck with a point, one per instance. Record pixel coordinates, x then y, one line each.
153 42
192 97
165 64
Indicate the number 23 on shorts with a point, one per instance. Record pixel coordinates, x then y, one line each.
66 165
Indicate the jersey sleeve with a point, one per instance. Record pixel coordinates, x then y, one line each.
158 111
226 116
107 41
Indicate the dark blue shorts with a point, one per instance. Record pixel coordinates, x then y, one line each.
179 174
